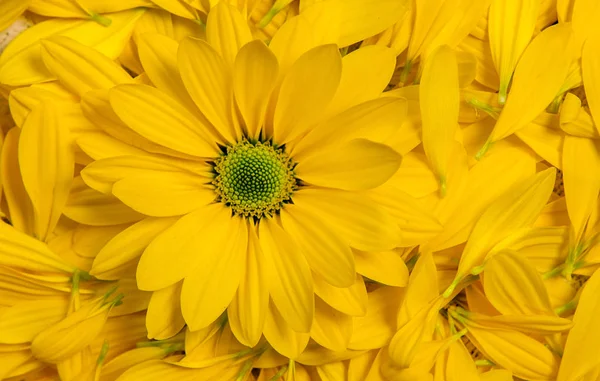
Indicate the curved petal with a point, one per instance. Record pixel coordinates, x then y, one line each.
164 319
175 253
291 283
281 336
353 216
386 267
46 161
208 81
248 309
306 91
331 328
210 286
356 165
327 253
163 194
227 31
254 74
157 117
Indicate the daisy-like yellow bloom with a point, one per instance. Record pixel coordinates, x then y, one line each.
252 173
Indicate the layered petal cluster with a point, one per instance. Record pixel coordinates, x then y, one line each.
310 190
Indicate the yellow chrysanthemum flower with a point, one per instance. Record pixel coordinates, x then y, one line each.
239 195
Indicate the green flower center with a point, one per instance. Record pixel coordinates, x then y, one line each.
254 179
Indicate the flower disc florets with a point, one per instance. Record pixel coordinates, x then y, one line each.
254 179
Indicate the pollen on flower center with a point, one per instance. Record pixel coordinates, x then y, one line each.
254 179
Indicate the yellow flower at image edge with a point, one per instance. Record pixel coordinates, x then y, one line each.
265 188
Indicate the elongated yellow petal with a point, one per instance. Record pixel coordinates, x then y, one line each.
365 74
90 207
210 285
576 120
439 98
351 300
147 111
581 163
356 165
421 290
348 21
514 286
227 31
305 92
208 81
79 67
248 309
582 16
164 318
19 250
517 208
293 39
385 267
496 375
326 253
529 324
46 162
117 366
538 77
22 322
461 365
331 329
591 75
163 194
10 10
291 284
168 371
510 27
281 336
524 356
577 358
21 63
17 199
178 7
254 74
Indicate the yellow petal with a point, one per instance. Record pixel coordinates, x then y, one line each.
21 63
159 118
439 97
351 300
581 161
365 74
158 54
386 267
117 366
254 74
517 208
331 329
167 371
248 309
46 161
378 326
227 31
90 207
157 269
10 10
356 165
524 356
591 76
514 286
291 285
422 289
576 120
357 218
23 321
461 365
496 375
345 22
538 77
79 67
293 39
529 324
306 91
327 254
177 7
17 199
122 251
22 251
209 83
544 141
164 319
281 336
577 360
163 194
510 29
210 285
